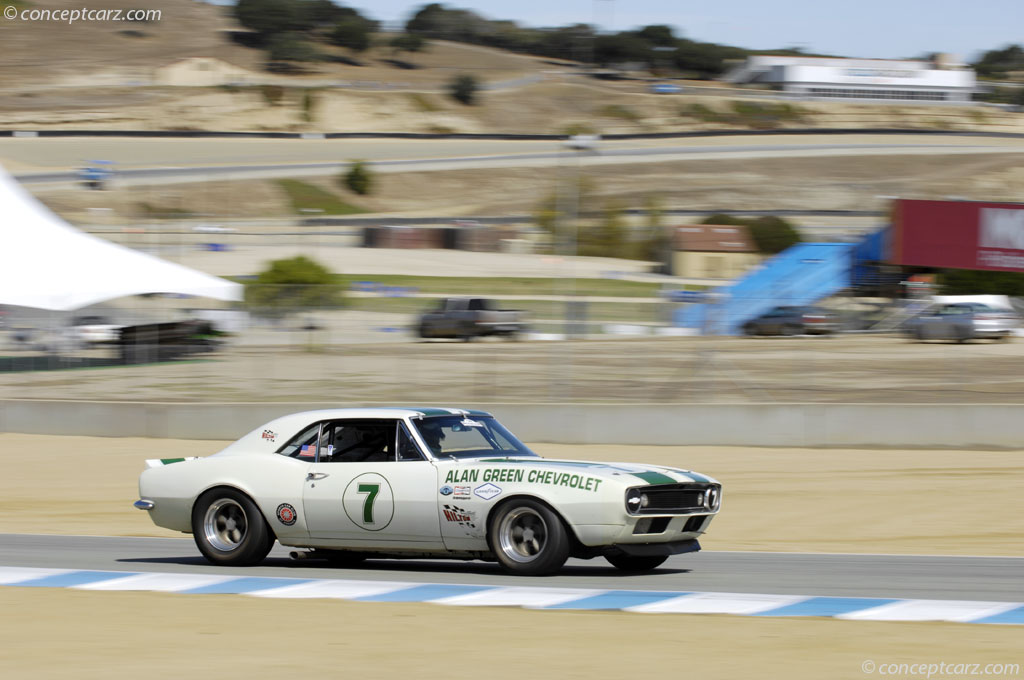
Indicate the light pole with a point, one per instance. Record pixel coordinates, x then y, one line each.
579 145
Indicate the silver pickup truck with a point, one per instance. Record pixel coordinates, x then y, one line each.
468 318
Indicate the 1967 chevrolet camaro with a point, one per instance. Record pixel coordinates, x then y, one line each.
347 484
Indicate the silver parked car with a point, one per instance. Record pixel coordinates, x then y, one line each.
963 321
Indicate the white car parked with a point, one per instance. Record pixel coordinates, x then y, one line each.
347 484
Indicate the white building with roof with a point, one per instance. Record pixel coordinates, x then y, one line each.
940 80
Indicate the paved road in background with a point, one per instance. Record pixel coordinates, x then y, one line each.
173 161
891 576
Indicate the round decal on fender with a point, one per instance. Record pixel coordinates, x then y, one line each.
286 514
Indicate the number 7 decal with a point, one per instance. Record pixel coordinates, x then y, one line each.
369 502
371 491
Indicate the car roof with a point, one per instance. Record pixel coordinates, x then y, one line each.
283 428
380 412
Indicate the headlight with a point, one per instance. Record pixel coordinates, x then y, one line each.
635 500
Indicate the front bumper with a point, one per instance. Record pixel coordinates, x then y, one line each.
653 549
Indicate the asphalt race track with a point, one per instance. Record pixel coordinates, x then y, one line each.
835 575
162 161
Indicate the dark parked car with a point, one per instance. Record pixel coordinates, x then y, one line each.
963 321
468 318
793 320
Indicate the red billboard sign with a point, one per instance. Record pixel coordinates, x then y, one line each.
958 235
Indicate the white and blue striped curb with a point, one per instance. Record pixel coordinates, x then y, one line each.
536 597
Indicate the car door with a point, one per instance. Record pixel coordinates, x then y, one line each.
371 486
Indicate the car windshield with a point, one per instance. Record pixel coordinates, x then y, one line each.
469 437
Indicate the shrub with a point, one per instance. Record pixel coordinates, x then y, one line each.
463 89
359 178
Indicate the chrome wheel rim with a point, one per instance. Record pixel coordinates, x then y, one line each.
225 524
522 535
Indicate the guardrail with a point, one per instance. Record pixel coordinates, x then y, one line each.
205 134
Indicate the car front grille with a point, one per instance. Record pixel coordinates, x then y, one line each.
675 499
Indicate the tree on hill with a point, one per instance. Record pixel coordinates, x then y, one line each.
437 21
285 47
999 63
353 33
620 48
657 35
267 17
407 42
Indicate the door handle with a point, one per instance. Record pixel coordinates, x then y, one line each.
316 475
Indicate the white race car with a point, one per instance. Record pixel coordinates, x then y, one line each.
347 484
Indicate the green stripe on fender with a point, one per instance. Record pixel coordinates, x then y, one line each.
168 461
654 477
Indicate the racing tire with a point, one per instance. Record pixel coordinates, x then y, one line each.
229 529
636 563
528 538
750 330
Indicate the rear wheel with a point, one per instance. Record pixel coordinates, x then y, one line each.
528 538
636 563
749 329
229 529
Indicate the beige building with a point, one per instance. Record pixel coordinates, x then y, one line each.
710 251
202 72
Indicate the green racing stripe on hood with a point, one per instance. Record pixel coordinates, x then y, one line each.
168 461
654 477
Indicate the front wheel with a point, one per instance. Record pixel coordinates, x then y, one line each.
636 563
528 538
229 529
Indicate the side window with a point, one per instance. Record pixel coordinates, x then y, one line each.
407 449
302 445
360 441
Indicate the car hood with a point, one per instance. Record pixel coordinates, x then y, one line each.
628 474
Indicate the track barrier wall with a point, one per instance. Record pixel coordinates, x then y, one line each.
928 426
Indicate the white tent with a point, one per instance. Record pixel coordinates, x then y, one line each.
48 264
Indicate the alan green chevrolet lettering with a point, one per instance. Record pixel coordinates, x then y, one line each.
509 475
